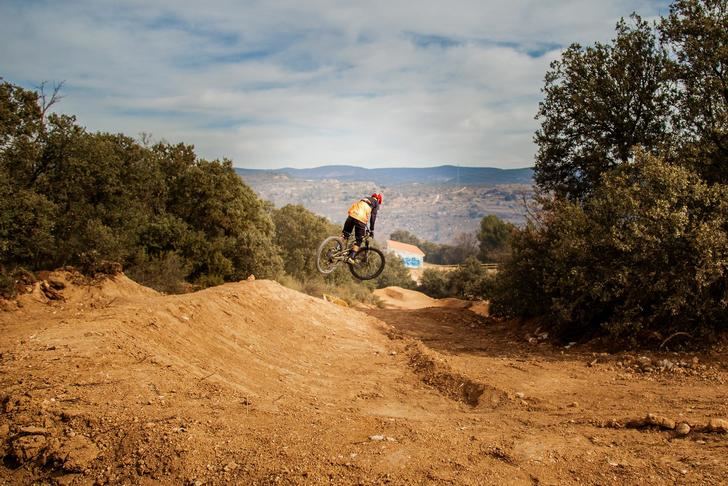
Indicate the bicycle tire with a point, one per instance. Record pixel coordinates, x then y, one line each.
324 263
368 268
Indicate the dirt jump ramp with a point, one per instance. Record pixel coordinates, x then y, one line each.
113 382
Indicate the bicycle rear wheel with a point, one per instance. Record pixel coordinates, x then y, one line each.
329 254
369 263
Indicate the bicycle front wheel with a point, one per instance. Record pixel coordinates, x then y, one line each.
329 254
369 263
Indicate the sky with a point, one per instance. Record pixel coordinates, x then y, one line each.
271 84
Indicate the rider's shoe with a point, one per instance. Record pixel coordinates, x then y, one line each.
351 261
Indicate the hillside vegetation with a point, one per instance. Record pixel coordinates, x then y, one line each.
435 211
632 235
95 201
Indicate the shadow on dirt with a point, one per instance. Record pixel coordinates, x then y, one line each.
459 331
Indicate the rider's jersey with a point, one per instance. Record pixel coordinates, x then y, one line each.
364 209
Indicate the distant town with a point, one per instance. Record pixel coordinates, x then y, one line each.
436 205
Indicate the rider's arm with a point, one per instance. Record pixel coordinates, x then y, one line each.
373 217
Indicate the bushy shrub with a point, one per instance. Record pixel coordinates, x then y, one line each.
298 233
470 280
27 222
12 280
494 238
70 197
165 272
435 283
647 253
395 274
350 291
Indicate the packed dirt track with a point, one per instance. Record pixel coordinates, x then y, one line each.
108 382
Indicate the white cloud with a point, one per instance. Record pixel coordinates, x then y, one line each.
303 84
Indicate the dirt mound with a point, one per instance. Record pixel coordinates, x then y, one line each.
115 382
107 382
73 288
399 298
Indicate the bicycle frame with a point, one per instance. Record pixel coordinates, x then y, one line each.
350 245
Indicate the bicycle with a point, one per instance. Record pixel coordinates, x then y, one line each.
368 262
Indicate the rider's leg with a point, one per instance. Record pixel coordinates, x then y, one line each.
348 227
360 229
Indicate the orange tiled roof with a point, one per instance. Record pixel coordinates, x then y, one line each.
397 245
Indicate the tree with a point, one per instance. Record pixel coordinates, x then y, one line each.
27 223
234 233
70 197
20 129
395 274
646 253
464 246
470 280
696 32
405 237
299 233
494 238
435 284
599 103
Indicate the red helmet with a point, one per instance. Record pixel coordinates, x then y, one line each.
378 197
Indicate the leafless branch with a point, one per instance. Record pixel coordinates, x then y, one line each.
675 335
145 138
46 100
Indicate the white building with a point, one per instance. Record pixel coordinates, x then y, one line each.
412 256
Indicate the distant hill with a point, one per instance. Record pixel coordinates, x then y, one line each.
434 203
444 174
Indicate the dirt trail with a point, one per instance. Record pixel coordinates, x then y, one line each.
253 383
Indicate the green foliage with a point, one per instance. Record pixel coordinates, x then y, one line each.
352 292
165 272
298 233
395 274
632 241
69 197
665 93
26 226
470 281
234 233
465 245
405 237
647 252
696 32
435 283
494 238
599 103
20 127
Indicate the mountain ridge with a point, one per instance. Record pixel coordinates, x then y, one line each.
443 174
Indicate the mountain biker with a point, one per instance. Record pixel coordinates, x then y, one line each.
361 212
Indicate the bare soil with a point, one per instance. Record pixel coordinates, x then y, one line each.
253 383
